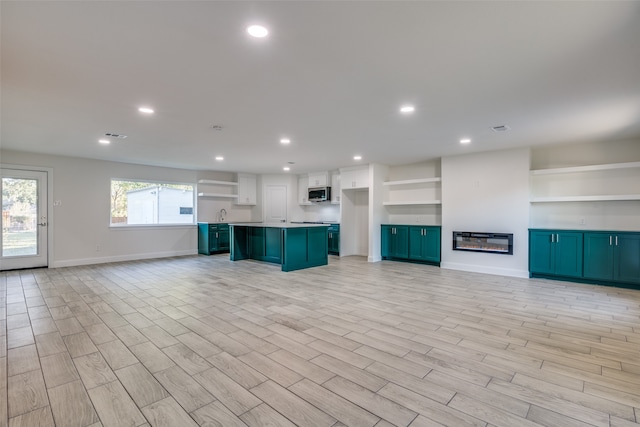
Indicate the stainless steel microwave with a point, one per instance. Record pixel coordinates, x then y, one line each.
319 194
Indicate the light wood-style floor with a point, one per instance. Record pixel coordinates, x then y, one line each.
205 341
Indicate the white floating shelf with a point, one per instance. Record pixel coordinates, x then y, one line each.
590 168
413 181
413 202
222 195
585 198
210 181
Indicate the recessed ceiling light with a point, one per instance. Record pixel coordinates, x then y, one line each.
146 110
465 141
286 168
406 109
219 158
104 141
285 141
357 157
257 31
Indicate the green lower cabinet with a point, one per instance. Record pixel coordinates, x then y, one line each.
601 257
555 252
334 239
424 243
411 242
612 256
304 247
213 238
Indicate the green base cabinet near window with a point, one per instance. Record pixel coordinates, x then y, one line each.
213 238
419 243
599 257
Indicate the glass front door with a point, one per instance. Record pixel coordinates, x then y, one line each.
24 219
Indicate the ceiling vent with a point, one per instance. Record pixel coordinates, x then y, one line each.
501 128
115 135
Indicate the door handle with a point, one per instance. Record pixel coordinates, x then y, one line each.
216 235
610 240
616 240
557 238
42 224
552 238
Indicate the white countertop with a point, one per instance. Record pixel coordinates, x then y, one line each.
278 225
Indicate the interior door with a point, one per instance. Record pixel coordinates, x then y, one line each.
24 219
275 204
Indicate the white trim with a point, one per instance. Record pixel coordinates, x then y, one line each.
121 258
413 202
374 259
485 269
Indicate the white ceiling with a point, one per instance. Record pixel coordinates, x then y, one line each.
331 76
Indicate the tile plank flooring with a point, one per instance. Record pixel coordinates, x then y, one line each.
205 341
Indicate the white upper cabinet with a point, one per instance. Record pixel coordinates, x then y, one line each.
303 190
247 184
335 188
354 177
318 179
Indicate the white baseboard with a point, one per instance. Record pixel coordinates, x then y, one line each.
119 258
484 269
374 258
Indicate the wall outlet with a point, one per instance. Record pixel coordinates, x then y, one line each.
57 203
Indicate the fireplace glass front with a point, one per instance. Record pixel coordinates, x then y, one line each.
497 243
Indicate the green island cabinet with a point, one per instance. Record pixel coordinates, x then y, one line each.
293 246
213 238
555 252
334 239
418 243
600 257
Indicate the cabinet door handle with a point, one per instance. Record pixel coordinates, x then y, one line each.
216 235
552 238
610 240
616 240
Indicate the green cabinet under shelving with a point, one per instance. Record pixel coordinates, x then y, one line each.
411 243
555 252
601 257
424 243
612 256
213 238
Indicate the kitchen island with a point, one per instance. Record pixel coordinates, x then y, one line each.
293 246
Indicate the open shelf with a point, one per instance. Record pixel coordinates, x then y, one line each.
601 198
589 168
413 181
220 195
413 202
211 181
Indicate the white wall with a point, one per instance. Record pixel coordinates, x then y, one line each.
414 214
80 225
354 223
609 215
209 207
377 213
486 192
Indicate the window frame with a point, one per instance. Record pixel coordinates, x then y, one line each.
126 226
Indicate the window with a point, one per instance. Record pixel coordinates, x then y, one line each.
139 203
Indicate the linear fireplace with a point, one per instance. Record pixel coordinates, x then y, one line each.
496 243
